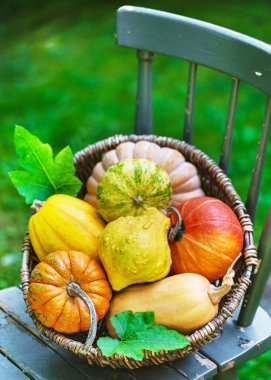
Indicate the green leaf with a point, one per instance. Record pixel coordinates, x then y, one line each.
127 322
137 332
43 175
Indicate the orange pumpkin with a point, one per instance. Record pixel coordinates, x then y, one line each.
208 239
48 294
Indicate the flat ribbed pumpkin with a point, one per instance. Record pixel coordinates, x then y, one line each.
65 223
208 239
132 186
183 175
50 300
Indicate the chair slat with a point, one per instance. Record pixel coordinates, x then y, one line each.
226 148
255 292
190 100
253 193
196 41
143 123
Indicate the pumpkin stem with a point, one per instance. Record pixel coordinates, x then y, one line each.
37 205
176 228
74 290
138 200
216 293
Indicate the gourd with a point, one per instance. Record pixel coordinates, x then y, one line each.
132 186
64 223
49 296
183 302
183 175
206 239
134 249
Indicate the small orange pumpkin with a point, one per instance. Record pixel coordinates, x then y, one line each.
48 296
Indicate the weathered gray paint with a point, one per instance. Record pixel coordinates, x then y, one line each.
9 371
237 345
227 142
254 189
196 41
255 292
195 365
143 124
32 356
190 101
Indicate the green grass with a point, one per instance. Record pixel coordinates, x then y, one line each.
256 369
63 78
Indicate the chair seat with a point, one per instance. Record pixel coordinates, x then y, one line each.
236 345
24 352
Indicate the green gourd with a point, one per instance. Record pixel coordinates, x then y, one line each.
132 186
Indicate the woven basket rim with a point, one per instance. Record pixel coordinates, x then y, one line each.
91 155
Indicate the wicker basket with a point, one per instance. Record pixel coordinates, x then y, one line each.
215 183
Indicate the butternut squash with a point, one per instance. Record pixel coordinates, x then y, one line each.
184 302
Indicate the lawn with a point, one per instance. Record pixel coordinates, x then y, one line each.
64 79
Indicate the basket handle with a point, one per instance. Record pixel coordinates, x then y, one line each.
74 290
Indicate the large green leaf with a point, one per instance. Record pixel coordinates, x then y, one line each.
43 175
137 332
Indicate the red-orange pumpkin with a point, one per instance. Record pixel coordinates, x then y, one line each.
49 298
209 239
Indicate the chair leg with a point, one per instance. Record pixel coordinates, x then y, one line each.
255 291
231 374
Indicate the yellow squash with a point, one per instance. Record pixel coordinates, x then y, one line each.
134 249
184 302
65 223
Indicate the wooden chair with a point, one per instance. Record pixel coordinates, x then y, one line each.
244 59
24 352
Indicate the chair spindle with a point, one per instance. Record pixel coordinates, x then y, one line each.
255 291
190 100
254 188
226 148
143 123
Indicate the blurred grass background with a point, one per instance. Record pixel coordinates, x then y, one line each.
63 78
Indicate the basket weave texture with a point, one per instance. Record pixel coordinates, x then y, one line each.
215 183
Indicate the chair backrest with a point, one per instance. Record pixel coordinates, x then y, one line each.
201 43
